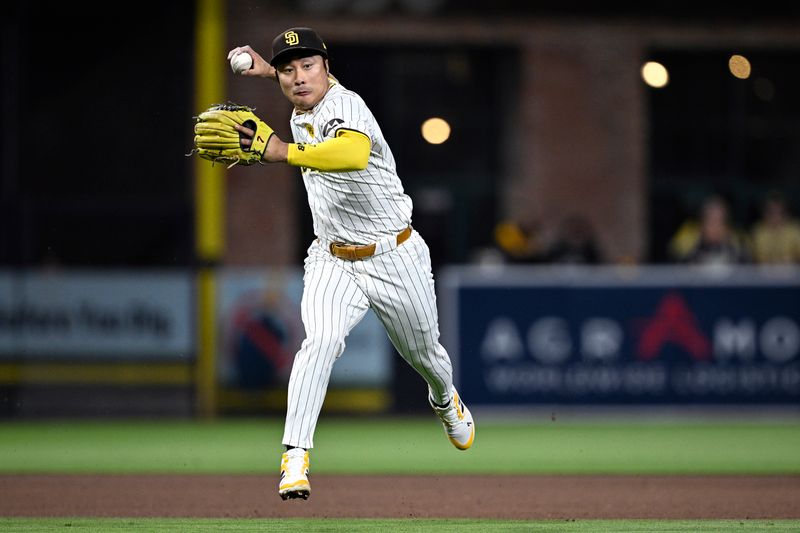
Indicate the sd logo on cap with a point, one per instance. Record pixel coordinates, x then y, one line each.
294 43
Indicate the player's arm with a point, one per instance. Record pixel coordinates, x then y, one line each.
348 151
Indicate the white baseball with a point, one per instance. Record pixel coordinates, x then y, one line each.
241 62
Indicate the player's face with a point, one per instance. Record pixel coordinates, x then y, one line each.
304 81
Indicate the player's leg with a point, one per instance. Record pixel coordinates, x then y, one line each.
401 292
403 296
332 305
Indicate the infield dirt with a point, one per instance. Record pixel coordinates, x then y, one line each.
501 497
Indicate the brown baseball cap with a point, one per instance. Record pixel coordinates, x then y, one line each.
297 42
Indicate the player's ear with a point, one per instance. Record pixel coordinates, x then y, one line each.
327 67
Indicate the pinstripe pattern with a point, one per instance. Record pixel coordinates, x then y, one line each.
359 208
399 288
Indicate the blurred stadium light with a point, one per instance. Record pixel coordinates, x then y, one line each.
655 74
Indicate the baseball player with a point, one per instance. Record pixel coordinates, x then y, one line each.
366 254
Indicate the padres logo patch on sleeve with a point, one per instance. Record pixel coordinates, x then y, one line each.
331 126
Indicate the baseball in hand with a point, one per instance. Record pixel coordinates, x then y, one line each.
241 62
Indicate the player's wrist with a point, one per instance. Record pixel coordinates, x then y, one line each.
276 151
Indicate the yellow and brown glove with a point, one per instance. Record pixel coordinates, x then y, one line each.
217 139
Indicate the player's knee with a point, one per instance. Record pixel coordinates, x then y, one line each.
325 342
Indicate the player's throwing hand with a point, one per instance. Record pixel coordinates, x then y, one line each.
260 67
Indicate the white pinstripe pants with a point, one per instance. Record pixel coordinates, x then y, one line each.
398 286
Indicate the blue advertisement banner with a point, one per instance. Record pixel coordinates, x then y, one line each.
529 337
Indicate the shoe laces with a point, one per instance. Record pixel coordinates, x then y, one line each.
449 415
295 460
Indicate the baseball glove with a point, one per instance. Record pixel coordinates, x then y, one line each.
217 139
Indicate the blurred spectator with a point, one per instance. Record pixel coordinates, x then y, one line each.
715 240
776 236
575 244
518 241
682 242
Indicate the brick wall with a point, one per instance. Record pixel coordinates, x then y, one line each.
580 130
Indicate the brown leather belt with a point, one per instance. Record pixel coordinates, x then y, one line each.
355 252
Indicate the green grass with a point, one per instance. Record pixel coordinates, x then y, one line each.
403 445
155 525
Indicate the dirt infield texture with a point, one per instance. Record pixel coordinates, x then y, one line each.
500 497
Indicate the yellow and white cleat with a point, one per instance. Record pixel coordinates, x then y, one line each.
457 421
294 475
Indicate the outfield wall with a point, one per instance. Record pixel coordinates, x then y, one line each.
100 342
624 335
127 342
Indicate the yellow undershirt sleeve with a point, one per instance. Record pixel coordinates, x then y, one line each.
349 150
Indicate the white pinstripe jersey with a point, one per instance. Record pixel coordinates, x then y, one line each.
358 207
